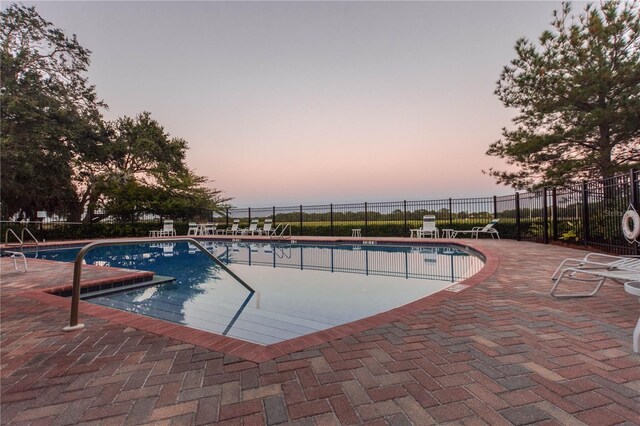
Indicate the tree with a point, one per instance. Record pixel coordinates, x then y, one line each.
58 154
578 99
144 170
49 112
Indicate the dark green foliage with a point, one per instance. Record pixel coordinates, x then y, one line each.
57 154
49 112
577 93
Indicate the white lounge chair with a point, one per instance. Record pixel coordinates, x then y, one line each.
477 230
429 227
596 261
595 269
166 231
267 228
233 230
252 229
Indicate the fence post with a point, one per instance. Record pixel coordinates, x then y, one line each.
227 218
331 217
585 213
545 217
249 209
634 198
405 218
366 224
450 212
300 219
554 213
495 207
518 216
273 219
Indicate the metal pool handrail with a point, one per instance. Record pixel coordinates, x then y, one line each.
77 269
284 229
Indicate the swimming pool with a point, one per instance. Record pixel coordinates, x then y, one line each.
300 288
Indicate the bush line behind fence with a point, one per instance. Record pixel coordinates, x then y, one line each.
588 214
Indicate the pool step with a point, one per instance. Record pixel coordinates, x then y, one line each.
90 292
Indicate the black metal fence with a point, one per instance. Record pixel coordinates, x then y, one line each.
588 214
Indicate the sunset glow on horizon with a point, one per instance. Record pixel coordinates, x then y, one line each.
287 103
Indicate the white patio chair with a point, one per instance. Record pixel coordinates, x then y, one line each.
233 230
429 227
252 229
193 229
210 228
477 230
166 231
595 269
267 228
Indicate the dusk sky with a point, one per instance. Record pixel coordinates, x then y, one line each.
286 103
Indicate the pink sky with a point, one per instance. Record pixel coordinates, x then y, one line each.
287 103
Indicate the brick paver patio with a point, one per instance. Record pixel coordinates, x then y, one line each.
500 352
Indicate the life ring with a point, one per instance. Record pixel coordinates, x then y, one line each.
631 225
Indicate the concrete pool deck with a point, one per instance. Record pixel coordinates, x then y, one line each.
499 352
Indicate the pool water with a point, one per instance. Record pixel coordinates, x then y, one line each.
300 288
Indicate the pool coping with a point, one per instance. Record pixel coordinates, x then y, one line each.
252 351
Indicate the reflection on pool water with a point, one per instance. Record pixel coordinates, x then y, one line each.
300 288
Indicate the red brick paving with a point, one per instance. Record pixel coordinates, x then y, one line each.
500 352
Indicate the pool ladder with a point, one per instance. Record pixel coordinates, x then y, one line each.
21 240
284 229
15 255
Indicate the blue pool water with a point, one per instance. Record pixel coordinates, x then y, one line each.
300 288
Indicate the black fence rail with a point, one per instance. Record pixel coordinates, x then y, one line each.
588 214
